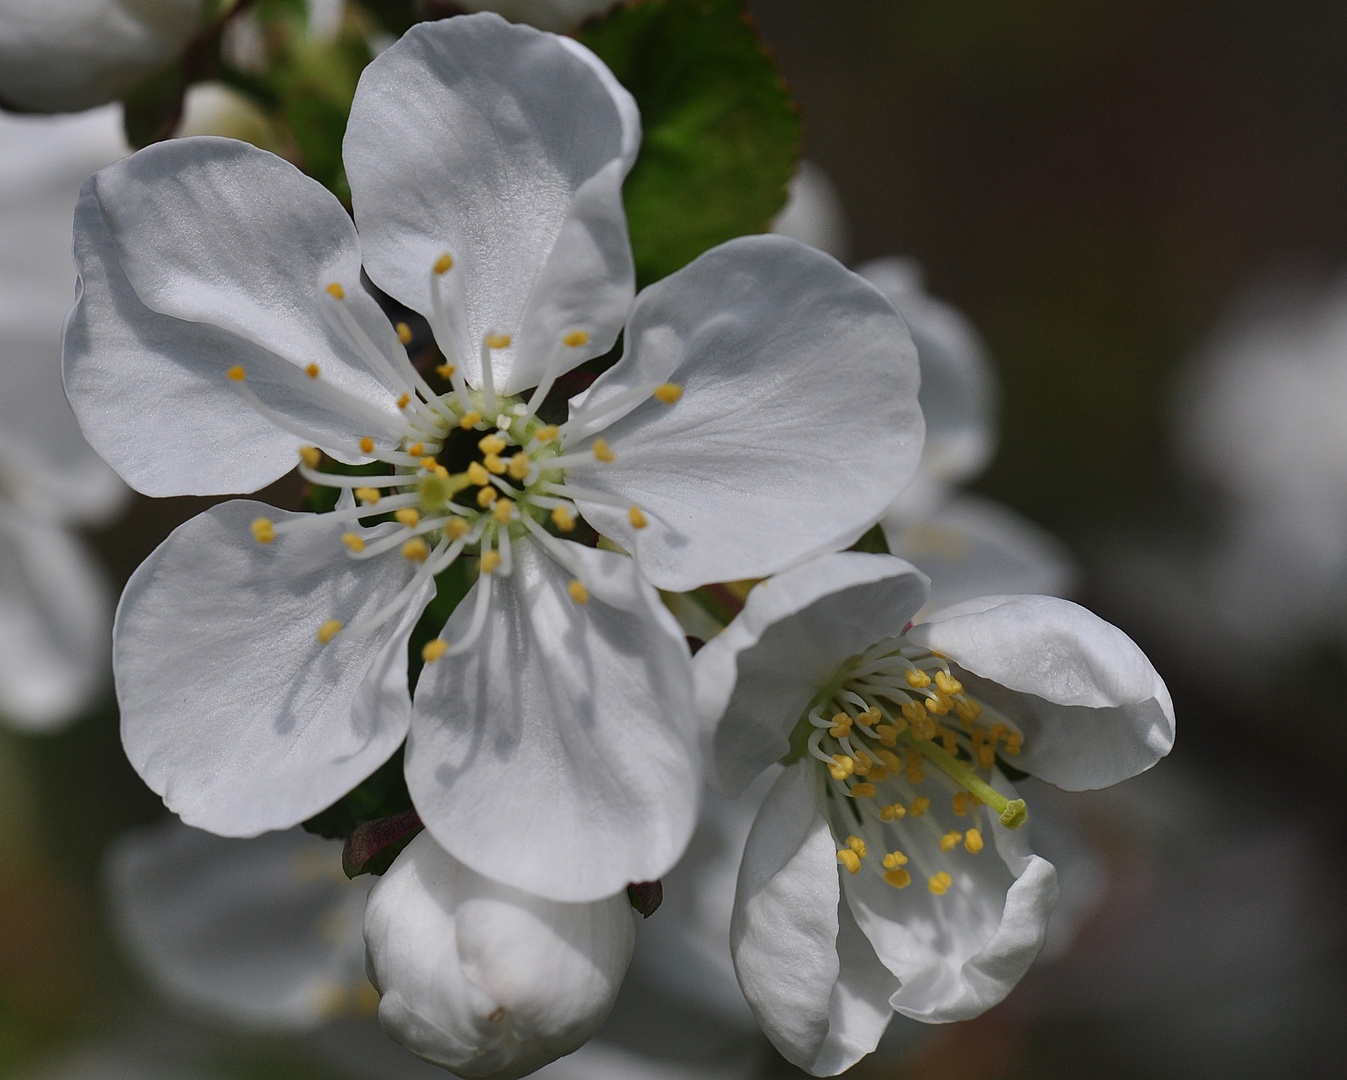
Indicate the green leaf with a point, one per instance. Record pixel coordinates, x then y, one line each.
381 794
722 134
153 108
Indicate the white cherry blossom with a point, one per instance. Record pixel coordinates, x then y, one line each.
561 16
941 904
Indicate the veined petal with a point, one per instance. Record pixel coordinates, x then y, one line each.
798 423
265 932
505 148
482 978
755 679
559 754
232 709
196 255
1093 709
560 16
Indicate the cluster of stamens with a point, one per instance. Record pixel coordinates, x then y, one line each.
899 739
514 487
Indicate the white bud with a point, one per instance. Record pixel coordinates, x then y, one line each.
483 979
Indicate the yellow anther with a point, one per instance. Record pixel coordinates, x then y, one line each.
959 803
563 519
863 763
888 734
857 845
890 759
429 463
497 341
416 550
918 680
417 449
367 445
490 560
899 879
948 684
1014 743
997 731
404 400
950 840
872 715
972 841
368 495
470 420
404 333
578 592
311 371
519 466
264 532
967 710
433 650
636 518
486 497
842 767
311 456
894 858
409 516
445 371
491 444
547 433
495 463
863 791
919 806
353 541
328 630
924 730
478 475
850 860
668 392
236 373
916 766
503 511
443 263
575 338
940 883
949 740
602 452
336 291
892 812
986 756
914 712
456 528
939 703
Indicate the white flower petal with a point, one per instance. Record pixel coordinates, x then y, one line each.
813 213
1093 709
506 148
560 16
264 932
196 255
55 624
484 979
755 680
559 754
232 709
797 427
858 1011
973 546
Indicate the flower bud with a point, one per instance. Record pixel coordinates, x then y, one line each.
483 979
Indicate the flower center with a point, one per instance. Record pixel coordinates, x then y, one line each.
901 741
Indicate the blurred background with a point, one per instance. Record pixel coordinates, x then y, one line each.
1113 193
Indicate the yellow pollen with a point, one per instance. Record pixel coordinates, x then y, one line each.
924 730
368 495
490 560
668 392
486 497
918 680
352 541
899 879
470 420
578 591
949 741
916 766
417 449
311 456
563 519
857 845
503 511
328 630
497 341
311 371
888 734
445 371
986 756
404 333
850 860
601 451
443 263
236 373
409 516
841 726
433 650
415 549
863 791
972 841
1014 743
495 463
948 684
575 338
842 767
892 812
636 518
950 840
491 444
367 445
894 858
872 715
264 532
478 475
939 703
914 712
336 291
967 710
456 528
519 466
863 763
959 803
404 400
940 883
890 759
919 806
547 434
